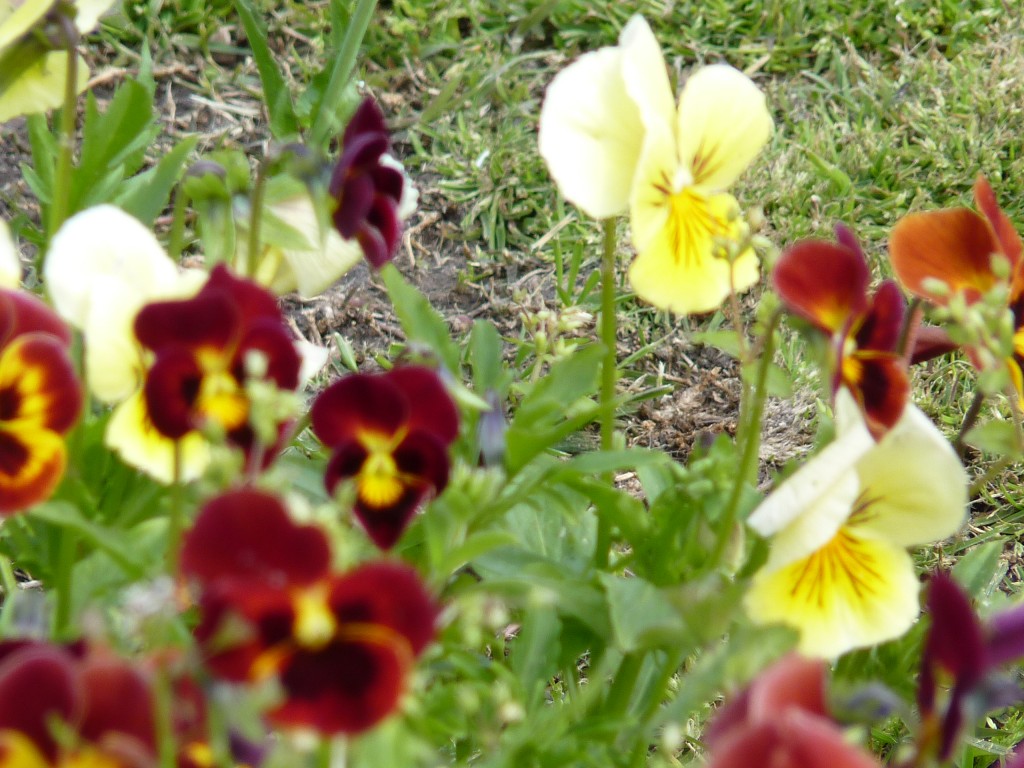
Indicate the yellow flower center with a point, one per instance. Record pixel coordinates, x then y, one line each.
842 571
380 483
315 624
221 400
692 222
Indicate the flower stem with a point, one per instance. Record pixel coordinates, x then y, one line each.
66 557
973 411
750 425
66 140
256 219
176 522
344 62
176 240
608 375
621 692
164 698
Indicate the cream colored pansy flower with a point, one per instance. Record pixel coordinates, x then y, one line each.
615 140
10 263
102 267
838 571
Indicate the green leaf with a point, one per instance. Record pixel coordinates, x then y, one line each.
996 437
111 541
642 617
725 340
485 350
977 569
419 320
535 652
146 195
283 123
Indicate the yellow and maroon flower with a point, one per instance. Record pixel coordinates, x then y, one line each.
367 187
340 646
390 434
956 246
827 285
205 350
40 400
104 704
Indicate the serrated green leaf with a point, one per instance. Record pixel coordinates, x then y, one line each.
977 569
641 616
996 437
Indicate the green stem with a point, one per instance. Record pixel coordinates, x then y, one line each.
10 587
621 692
164 720
176 522
608 375
256 219
344 62
66 142
751 438
176 240
970 418
62 581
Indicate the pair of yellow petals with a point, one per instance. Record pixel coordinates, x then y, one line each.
614 141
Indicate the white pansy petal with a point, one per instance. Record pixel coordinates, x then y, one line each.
814 480
723 124
89 13
114 366
132 436
410 195
590 133
314 358
646 75
100 242
914 486
852 593
10 262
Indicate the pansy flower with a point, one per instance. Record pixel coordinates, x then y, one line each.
969 652
827 285
389 434
339 646
838 571
205 349
369 186
956 247
101 707
782 719
615 140
40 400
101 268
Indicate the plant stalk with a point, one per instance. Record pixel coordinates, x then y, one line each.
608 375
61 204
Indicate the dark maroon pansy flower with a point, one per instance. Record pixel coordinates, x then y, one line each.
970 653
103 702
202 350
340 646
827 285
368 191
781 720
390 434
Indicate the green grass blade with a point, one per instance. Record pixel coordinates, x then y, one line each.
283 123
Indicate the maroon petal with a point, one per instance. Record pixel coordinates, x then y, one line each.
38 685
823 283
22 312
883 322
252 301
248 536
929 341
1006 636
367 119
882 389
375 248
208 320
348 687
431 407
355 199
171 390
118 704
38 383
955 641
422 460
387 593
273 340
358 403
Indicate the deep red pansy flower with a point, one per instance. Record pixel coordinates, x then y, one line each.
970 652
368 191
104 704
204 349
390 434
827 285
340 646
40 400
782 720
956 246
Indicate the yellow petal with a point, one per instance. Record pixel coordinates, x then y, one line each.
18 751
646 75
677 269
590 133
132 436
853 592
18 18
10 262
97 243
40 86
913 486
723 124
